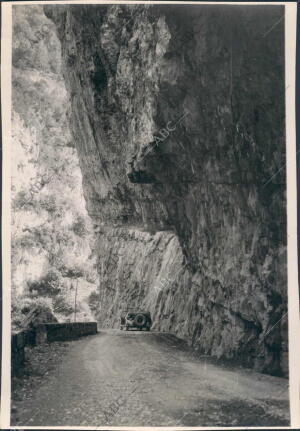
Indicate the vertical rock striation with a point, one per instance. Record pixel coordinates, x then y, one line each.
178 119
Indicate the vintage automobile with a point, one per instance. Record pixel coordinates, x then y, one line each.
136 319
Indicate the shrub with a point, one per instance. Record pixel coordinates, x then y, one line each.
49 204
48 285
60 305
22 201
78 227
93 301
72 272
24 305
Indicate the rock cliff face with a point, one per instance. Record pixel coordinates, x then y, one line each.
51 230
178 118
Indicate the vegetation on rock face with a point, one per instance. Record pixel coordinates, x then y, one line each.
51 231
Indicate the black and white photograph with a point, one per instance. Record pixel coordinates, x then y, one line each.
149 215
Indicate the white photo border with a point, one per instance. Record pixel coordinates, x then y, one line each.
291 173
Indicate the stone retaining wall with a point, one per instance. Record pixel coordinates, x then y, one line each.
64 331
18 342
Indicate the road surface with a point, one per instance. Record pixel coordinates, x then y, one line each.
142 379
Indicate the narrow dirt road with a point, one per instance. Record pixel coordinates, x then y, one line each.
141 379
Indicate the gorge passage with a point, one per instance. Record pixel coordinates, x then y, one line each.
190 226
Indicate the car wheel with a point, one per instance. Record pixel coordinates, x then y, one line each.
140 320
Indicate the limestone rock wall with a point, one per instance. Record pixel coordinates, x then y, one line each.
51 230
178 118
